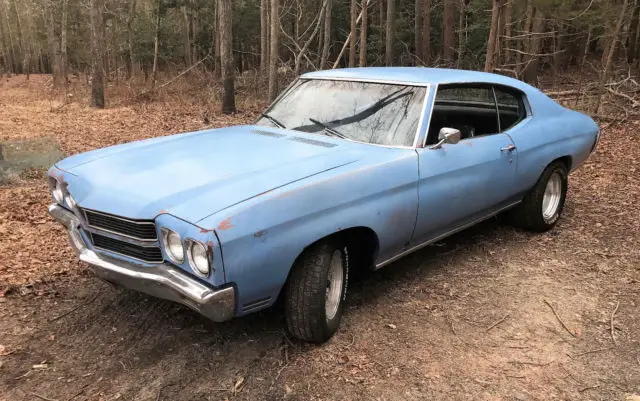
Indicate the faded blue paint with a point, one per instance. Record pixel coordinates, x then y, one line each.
266 194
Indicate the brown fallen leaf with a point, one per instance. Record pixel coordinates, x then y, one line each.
238 386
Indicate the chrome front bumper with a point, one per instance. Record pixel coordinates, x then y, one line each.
162 281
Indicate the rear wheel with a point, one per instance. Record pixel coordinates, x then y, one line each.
542 206
316 290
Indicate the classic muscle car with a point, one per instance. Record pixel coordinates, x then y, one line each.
350 168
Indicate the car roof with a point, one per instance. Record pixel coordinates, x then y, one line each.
417 75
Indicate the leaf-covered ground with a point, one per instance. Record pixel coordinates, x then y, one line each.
480 316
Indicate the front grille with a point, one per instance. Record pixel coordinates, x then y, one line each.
146 254
138 229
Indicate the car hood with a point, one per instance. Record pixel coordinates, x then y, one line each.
192 176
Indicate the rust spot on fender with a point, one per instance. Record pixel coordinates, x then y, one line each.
162 211
468 143
225 225
259 234
204 231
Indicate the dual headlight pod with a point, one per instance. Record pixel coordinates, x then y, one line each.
60 193
196 252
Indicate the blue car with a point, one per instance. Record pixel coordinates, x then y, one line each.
347 169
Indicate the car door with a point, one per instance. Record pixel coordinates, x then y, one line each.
462 183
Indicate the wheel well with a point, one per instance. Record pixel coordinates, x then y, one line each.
363 246
566 160
362 243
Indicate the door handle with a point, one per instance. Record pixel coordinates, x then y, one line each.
509 148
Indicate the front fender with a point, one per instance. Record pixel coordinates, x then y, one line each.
262 238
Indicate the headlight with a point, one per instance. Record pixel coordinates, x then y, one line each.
173 245
57 192
198 258
68 200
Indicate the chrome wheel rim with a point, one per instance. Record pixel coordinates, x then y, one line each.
552 196
334 285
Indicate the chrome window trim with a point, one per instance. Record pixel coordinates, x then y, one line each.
423 111
527 104
495 101
433 103
372 80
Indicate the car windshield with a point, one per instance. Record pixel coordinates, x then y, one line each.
378 113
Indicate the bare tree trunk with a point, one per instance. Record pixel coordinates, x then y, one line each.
347 41
632 49
508 15
363 33
462 28
216 58
585 52
131 39
448 23
186 35
425 52
493 36
5 45
526 33
194 29
390 34
612 49
64 61
530 72
226 56
500 36
97 46
12 49
156 39
54 48
275 46
417 29
381 26
264 35
559 57
353 38
30 45
320 44
21 39
327 35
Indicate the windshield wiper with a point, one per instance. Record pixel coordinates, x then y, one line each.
327 128
273 120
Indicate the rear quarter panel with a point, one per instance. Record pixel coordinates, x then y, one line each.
550 133
261 238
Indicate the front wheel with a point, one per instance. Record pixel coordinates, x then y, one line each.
316 290
541 207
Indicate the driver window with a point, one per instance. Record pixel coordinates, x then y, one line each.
468 108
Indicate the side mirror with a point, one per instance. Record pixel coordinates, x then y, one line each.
447 135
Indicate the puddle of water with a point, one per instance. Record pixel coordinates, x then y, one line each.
17 157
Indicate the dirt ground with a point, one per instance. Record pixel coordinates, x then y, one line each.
492 313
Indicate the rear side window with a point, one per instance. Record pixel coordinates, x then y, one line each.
510 108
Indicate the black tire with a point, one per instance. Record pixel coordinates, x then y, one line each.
529 214
306 292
